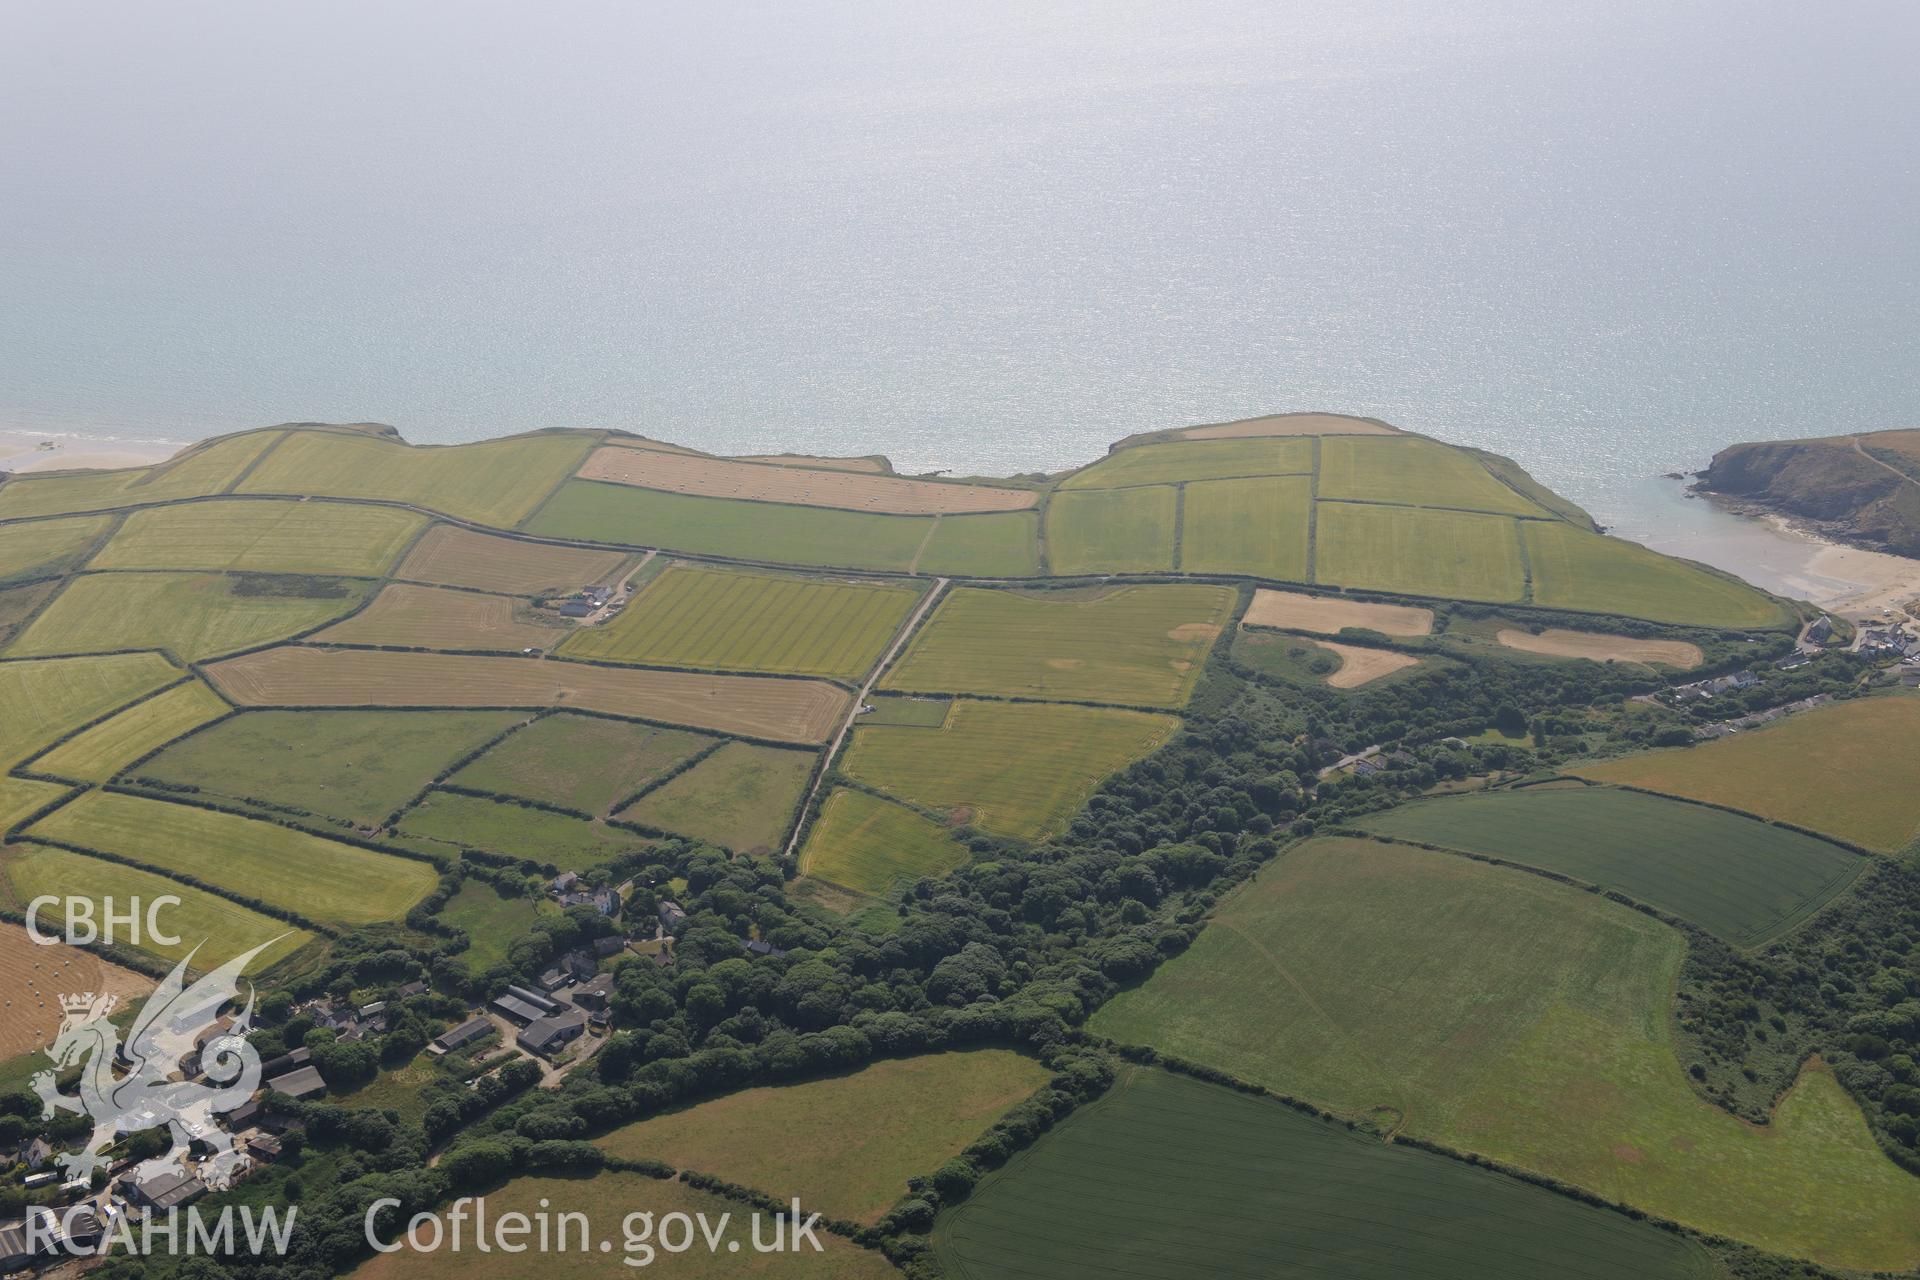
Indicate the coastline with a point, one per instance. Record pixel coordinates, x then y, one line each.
1778 553
26 452
1783 555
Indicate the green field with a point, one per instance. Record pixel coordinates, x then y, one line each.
219 928
1002 545
722 620
847 1144
1253 527
17 604
190 615
20 798
492 922
1420 473
742 797
1499 1012
98 753
899 709
607 1201
1846 770
1574 569
494 482
352 766
1196 460
456 822
1018 769
263 537
47 547
1743 880
762 531
1112 530
873 846
1139 645
1451 554
1179 1180
50 698
321 879
586 763
205 469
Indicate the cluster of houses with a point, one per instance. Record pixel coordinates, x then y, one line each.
1890 641
1722 728
585 602
568 999
1700 690
569 890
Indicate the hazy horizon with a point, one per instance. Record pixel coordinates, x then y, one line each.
1603 239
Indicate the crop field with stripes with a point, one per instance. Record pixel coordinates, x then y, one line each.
321 879
1138 645
1014 768
805 711
717 619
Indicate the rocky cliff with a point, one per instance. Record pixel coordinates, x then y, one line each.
1862 489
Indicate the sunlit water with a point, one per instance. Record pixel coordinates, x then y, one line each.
1603 236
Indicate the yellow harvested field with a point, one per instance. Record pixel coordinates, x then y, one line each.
759 482
1600 647
443 618
1290 424
454 557
804 711
873 465
1329 615
33 977
1360 666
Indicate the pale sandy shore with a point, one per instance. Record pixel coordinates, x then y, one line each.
23 452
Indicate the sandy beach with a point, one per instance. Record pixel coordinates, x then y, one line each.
22 452
1783 556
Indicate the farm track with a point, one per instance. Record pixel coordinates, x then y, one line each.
900 639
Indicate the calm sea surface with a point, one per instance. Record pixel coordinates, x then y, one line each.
1604 237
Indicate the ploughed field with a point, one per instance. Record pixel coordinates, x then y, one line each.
281 677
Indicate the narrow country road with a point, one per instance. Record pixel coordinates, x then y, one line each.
860 700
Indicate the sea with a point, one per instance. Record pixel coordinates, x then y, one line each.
1604 237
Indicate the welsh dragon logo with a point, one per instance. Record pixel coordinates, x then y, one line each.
153 1090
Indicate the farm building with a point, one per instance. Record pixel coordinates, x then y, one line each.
287 1062
523 1006
303 1083
595 994
167 1191
265 1148
612 945
550 1035
14 1254
575 609
459 1037
671 916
